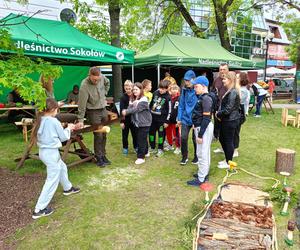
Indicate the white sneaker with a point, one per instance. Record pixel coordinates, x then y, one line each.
257 116
177 151
235 154
223 166
218 151
151 151
160 153
168 147
139 161
147 155
221 162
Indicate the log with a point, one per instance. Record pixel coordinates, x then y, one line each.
285 160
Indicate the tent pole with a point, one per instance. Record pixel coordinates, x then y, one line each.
158 74
132 73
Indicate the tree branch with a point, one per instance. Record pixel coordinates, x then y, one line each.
17 16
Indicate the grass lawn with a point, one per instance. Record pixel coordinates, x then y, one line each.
144 207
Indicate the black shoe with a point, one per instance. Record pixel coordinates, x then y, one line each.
42 213
108 162
195 160
72 190
206 179
194 182
184 161
101 163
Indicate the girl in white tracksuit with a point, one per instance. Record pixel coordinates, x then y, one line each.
48 134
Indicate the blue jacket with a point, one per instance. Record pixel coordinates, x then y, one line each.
187 102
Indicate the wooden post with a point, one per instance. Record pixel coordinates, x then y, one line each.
285 160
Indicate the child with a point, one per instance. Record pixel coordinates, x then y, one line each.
160 107
126 123
172 131
48 133
141 117
147 85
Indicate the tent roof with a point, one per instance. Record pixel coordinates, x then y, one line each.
61 42
190 51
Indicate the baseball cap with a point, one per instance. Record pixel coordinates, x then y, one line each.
189 75
201 80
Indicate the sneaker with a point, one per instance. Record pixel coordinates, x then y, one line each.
147 155
205 179
100 162
168 148
218 151
151 151
194 182
125 151
257 116
235 154
223 166
177 151
195 160
184 161
139 161
42 213
72 190
108 162
160 153
222 162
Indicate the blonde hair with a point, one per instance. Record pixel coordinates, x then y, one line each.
128 83
146 82
175 86
235 79
46 83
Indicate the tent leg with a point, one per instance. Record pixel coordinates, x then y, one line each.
158 74
132 73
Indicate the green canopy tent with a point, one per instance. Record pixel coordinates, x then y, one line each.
180 51
61 43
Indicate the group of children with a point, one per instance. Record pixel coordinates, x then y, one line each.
146 114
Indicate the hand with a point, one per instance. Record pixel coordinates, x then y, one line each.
79 125
60 103
199 140
166 125
122 125
71 126
178 124
124 112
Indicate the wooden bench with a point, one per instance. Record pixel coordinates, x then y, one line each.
25 123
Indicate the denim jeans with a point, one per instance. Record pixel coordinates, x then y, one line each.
259 103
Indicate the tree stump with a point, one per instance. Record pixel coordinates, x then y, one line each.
285 160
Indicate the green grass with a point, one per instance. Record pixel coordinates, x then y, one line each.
143 207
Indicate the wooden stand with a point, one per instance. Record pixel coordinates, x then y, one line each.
268 105
285 160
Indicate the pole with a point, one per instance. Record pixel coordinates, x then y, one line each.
132 73
266 60
158 74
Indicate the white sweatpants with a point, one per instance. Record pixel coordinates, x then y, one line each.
57 172
203 151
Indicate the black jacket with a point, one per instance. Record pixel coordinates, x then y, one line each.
230 106
124 103
174 109
160 107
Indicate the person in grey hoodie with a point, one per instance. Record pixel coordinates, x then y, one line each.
141 117
49 134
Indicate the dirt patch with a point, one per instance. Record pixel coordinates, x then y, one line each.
17 194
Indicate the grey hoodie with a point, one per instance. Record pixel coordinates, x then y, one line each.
141 115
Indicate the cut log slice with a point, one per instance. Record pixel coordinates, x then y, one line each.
285 160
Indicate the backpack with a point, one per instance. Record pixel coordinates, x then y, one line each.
215 100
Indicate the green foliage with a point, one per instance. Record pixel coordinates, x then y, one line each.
16 67
279 195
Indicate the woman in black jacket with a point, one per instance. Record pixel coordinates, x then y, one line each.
229 116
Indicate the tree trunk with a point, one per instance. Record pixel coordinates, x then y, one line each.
285 160
221 20
114 14
187 17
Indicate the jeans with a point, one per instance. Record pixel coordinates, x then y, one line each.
203 151
259 103
185 129
142 134
57 172
227 131
125 132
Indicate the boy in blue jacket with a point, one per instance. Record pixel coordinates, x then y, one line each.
187 102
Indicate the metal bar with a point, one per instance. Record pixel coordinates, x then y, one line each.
132 73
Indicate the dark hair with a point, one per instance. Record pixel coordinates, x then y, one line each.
75 86
164 84
51 105
94 71
224 64
244 80
140 86
146 82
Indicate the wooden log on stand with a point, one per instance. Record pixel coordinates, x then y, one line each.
285 160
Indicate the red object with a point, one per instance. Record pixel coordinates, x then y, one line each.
173 132
206 186
288 189
2 105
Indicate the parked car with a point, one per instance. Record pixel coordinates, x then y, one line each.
282 86
290 81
